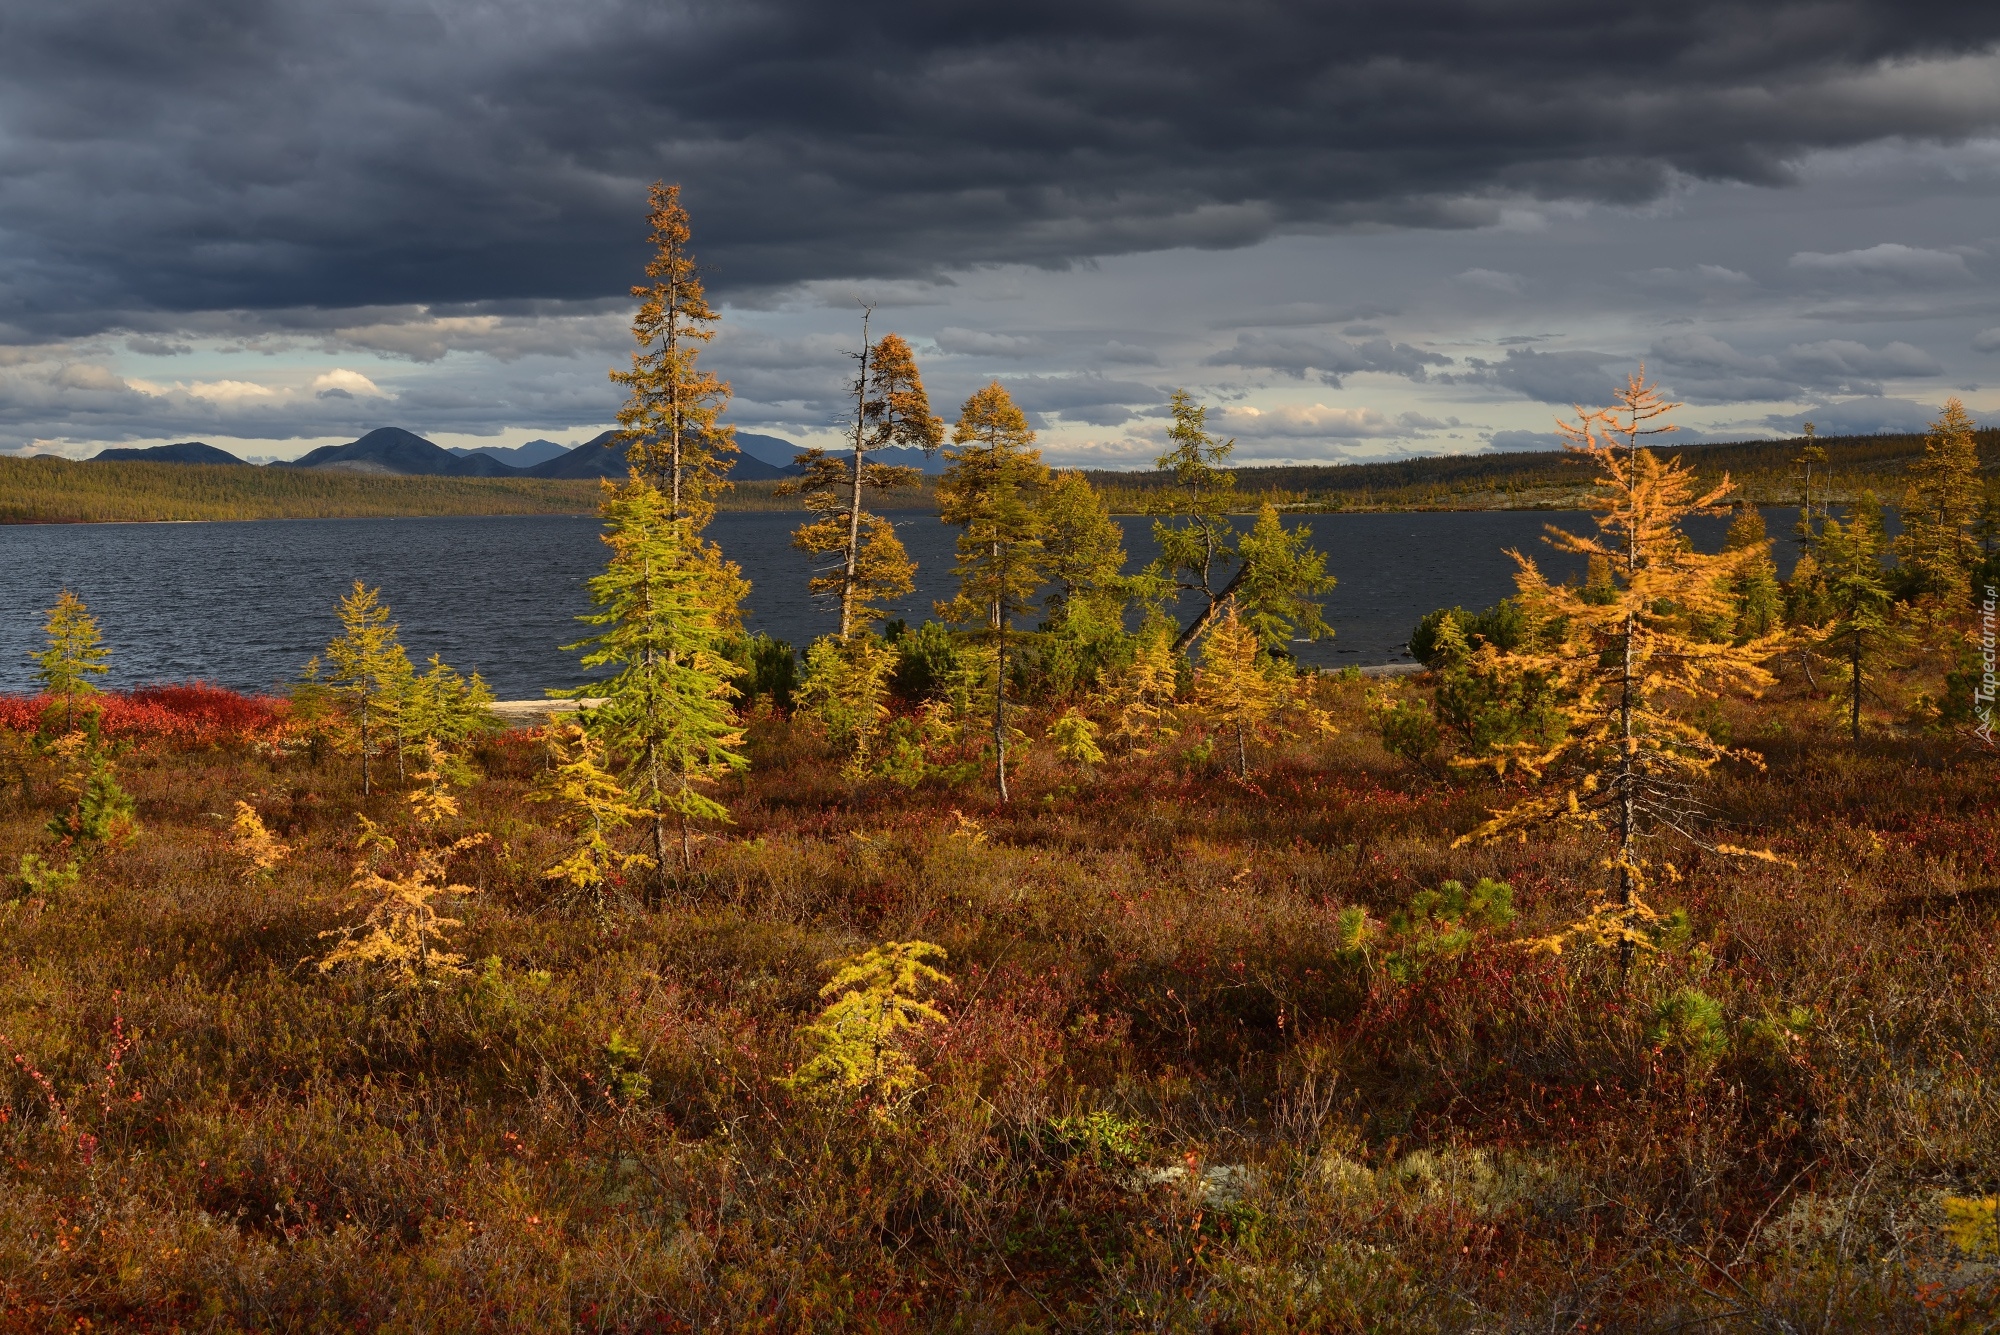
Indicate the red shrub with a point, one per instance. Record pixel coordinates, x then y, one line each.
194 714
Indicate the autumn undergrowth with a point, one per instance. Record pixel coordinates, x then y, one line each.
1207 1061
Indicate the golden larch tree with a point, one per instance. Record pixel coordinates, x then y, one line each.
1635 658
869 566
993 492
672 406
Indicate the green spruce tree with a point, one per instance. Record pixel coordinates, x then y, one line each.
666 711
992 491
74 654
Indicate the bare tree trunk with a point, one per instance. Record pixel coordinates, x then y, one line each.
674 400
1000 706
1854 705
854 502
659 825
364 746
1242 754
1207 614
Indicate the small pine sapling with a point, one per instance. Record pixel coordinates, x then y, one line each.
369 669
1142 697
596 807
1231 688
403 935
74 654
100 814
254 844
846 692
1075 737
442 707
874 997
1861 626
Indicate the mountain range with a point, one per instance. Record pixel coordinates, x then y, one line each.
393 452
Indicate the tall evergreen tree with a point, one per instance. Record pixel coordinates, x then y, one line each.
992 491
1937 550
1281 575
1753 586
672 406
1811 455
370 671
667 712
1197 541
1634 659
1084 546
1861 624
890 409
74 654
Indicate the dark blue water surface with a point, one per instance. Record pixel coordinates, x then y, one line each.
245 605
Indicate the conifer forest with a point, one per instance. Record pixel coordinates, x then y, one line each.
1072 960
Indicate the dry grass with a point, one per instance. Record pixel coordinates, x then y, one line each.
1167 1098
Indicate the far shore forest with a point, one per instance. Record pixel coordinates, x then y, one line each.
47 490
1632 967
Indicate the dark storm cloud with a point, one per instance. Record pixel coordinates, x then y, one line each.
190 155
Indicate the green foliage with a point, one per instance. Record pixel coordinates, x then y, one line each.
46 879
74 654
624 1082
769 668
1085 552
1853 593
1408 729
1937 549
930 664
1759 600
1439 924
370 673
667 713
448 710
100 813
1075 737
47 490
846 692
1690 1021
876 996
1484 705
1197 538
1104 1138
1444 637
1283 576
1077 655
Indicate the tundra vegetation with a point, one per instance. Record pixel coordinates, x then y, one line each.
1070 962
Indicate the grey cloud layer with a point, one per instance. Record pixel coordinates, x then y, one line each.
199 155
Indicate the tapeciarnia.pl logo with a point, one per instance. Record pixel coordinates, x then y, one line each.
1983 694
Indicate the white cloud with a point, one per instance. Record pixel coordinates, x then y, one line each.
1317 421
1887 261
353 383
1493 280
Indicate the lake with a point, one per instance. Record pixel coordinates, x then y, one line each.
245 605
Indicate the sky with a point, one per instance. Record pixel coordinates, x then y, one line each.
1355 231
